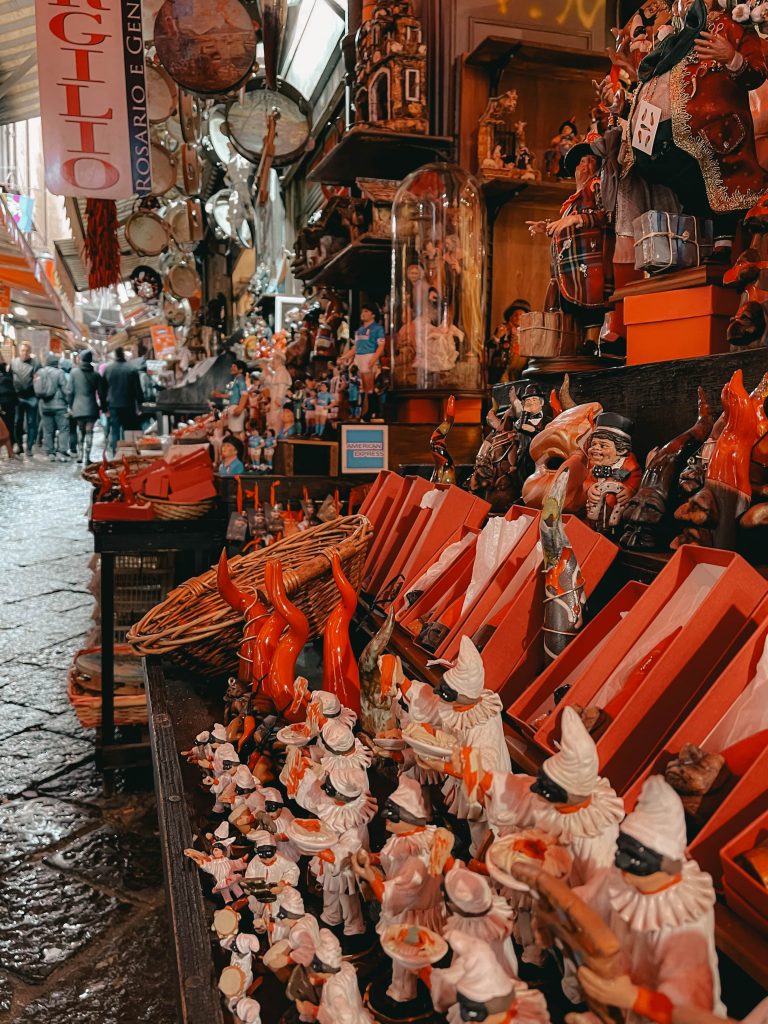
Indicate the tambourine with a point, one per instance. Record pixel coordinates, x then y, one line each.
226 923
147 233
189 116
222 210
247 122
163 169
232 982
216 143
177 312
187 224
161 94
206 52
183 281
189 177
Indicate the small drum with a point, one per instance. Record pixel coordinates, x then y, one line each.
187 226
226 923
216 142
163 170
247 121
191 167
189 116
228 223
177 312
183 281
232 982
147 233
161 94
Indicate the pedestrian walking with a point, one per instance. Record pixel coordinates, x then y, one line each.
8 402
54 389
24 367
87 394
123 396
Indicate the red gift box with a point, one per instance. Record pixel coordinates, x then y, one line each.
713 706
394 523
680 670
576 658
106 511
438 594
737 880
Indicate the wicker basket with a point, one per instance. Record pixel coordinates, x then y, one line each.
164 508
552 333
135 464
198 630
130 708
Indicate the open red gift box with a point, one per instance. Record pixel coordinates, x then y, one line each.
666 678
743 892
394 521
448 586
709 711
538 698
187 479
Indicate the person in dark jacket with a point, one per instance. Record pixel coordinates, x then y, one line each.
24 367
8 402
54 389
123 396
85 404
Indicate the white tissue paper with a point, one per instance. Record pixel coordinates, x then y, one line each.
747 715
447 557
494 544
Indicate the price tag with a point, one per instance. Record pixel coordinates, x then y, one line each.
647 119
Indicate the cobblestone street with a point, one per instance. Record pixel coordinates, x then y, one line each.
83 934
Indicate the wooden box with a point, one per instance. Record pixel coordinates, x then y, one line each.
295 457
678 324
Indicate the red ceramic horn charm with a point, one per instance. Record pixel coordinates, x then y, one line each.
340 671
282 672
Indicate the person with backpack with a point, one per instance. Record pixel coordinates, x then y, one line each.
87 395
54 389
123 397
24 367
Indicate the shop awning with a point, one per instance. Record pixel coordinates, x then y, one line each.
19 97
28 278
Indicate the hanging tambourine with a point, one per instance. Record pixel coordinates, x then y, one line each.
273 17
189 178
228 223
216 142
189 116
161 94
205 50
177 312
187 225
248 119
147 233
146 283
182 280
163 169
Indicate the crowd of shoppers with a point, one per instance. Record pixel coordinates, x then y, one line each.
59 403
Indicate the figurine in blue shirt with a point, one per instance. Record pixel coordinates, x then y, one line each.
231 457
323 407
270 443
354 392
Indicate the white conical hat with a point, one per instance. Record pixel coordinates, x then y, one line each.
291 901
246 943
273 795
467 676
260 837
222 832
349 782
219 732
202 737
410 796
658 820
329 702
243 778
337 737
248 1011
328 949
575 765
468 891
482 978
226 752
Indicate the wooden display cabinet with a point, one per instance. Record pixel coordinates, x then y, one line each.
553 84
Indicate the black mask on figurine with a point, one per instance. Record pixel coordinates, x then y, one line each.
392 812
227 765
329 789
447 692
266 852
634 858
548 789
470 1010
272 806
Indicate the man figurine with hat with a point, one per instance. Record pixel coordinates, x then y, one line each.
330 709
481 989
408 891
660 906
338 747
268 873
477 911
532 420
323 985
582 245
205 746
281 817
225 870
287 911
503 349
613 473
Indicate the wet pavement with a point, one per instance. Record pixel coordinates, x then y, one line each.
83 933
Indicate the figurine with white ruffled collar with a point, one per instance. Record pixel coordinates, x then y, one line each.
225 870
267 874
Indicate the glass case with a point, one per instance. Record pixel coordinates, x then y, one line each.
438 281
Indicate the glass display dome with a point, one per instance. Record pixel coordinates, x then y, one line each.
438 287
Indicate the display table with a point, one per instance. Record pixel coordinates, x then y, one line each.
202 540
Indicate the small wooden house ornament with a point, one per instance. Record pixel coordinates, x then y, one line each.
501 148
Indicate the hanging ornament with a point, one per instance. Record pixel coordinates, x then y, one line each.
102 249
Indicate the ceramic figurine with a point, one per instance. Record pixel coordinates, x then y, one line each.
376 708
415 703
323 986
408 886
330 708
660 906
225 762
645 514
340 672
339 748
281 817
236 980
495 476
561 145
226 871
444 471
280 684
267 874
243 790
564 598
613 475
206 742
288 909
477 988
480 913
532 420
247 1011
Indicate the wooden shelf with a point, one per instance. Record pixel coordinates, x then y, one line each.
693 277
498 191
500 50
367 153
366 260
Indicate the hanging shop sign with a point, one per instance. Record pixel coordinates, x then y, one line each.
163 340
93 98
364 448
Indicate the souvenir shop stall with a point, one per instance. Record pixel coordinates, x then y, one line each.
462 714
